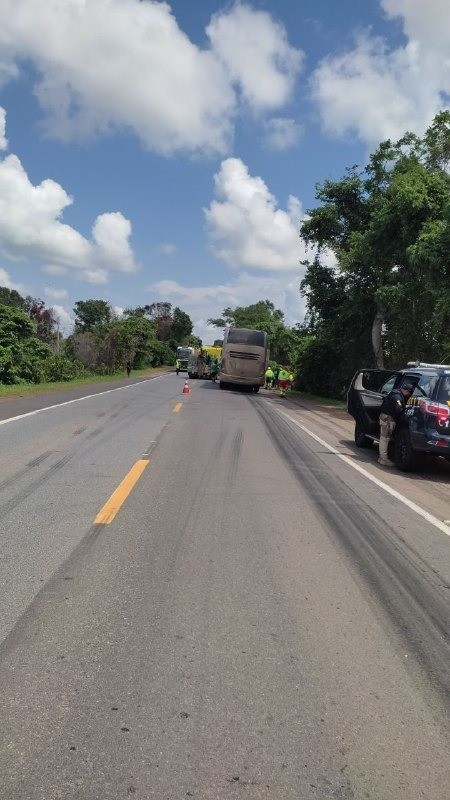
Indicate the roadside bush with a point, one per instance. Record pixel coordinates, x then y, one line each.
8 368
61 368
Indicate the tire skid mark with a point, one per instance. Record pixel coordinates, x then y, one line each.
414 596
80 430
236 448
35 462
33 486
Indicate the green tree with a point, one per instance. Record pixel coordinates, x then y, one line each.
181 326
22 355
91 315
43 317
195 341
10 297
388 228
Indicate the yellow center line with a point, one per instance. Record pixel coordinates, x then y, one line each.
176 408
118 497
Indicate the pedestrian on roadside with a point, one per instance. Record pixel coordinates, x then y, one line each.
391 412
128 368
177 366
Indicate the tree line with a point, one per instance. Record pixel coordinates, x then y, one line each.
32 349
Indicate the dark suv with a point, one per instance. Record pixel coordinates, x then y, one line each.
425 427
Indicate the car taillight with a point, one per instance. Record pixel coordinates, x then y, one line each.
439 410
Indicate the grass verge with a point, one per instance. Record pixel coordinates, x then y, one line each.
322 401
21 389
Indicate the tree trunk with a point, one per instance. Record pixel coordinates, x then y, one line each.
377 343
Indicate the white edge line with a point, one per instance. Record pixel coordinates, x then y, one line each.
76 400
429 517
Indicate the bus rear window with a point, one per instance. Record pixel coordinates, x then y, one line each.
243 336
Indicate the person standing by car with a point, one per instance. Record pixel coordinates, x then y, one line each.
391 411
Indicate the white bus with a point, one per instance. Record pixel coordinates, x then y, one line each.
245 354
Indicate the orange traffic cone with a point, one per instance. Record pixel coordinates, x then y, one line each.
186 389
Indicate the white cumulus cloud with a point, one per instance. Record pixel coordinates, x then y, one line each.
54 269
3 139
64 317
167 249
6 280
282 133
31 227
246 226
257 55
107 64
380 92
56 294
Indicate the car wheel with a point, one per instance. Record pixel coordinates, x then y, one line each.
404 456
361 440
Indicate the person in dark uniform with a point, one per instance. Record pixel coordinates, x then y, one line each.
391 411
128 368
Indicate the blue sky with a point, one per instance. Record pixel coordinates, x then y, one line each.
155 151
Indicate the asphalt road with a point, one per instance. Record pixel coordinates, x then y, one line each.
260 611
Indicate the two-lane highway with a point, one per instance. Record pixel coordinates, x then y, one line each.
264 615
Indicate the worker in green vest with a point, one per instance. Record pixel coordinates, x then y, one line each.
283 381
269 378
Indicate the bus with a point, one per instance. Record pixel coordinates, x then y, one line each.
245 354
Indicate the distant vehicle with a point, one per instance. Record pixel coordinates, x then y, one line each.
197 365
245 354
183 354
425 428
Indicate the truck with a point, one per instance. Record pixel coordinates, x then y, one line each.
183 355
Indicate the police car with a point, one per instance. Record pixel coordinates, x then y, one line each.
425 426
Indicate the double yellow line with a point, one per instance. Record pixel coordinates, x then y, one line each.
118 497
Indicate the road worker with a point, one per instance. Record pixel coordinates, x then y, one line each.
177 365
269 378
283 381
391 411
214 369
